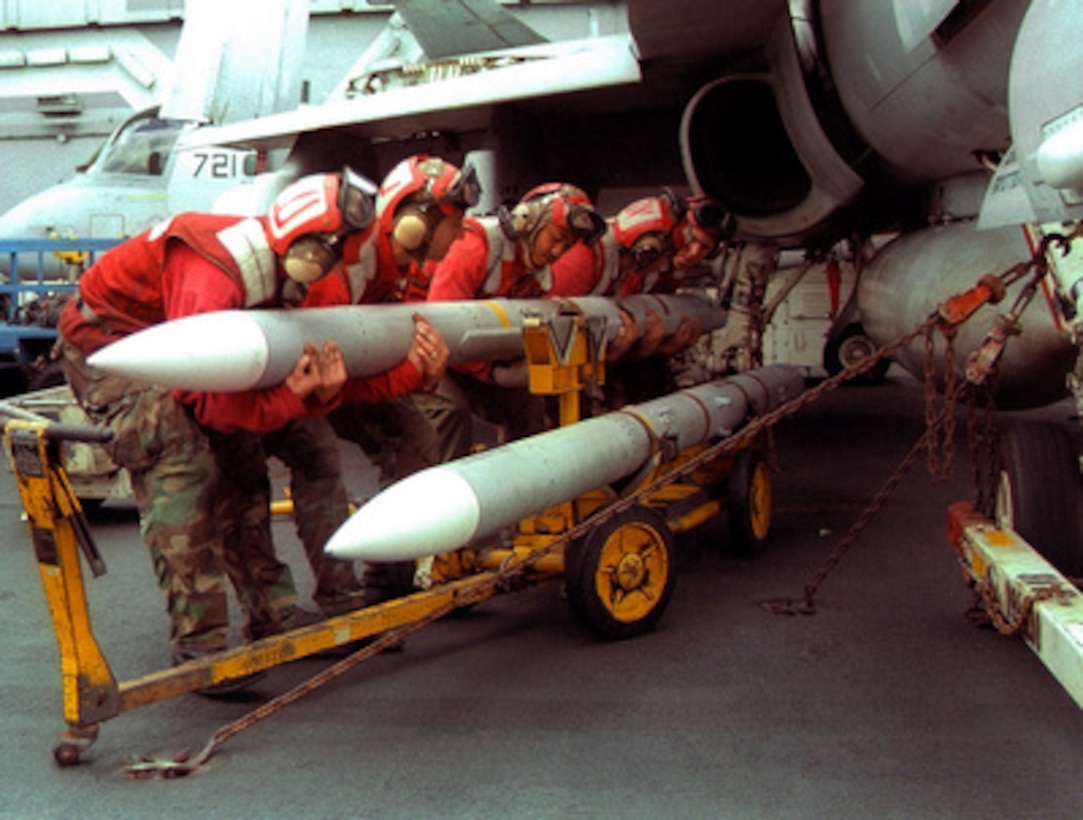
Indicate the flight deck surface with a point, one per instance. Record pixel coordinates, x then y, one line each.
886 702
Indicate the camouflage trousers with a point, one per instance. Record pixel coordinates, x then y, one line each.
406 435
173 476
402 437
309 448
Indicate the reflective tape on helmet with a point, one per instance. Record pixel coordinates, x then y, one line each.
309 205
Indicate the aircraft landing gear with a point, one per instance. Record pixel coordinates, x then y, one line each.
849 346
1039 491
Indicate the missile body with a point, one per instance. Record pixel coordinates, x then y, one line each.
248 349
447 506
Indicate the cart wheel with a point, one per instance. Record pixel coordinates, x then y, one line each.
748 502
621 575
66 754
73 742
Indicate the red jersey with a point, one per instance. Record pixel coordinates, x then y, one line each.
197 263
369 275
483 264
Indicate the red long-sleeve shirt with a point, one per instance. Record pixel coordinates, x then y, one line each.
270 408
186 282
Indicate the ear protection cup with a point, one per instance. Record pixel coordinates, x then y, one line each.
646 250
307 259
515 221
411 229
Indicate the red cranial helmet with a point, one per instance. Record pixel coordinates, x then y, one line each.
310 216
555 203
418 192
699 232
643 229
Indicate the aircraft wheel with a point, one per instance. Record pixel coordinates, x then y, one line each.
749 502
849 346
620 577
1038 492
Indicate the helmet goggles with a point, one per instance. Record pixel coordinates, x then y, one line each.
648 248
452 189
583 221
702 223
356 200
463 191
567 207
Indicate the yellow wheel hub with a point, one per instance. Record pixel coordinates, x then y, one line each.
759 501
632 572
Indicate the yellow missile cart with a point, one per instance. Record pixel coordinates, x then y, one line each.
615 552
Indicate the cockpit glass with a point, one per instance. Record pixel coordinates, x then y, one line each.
141 147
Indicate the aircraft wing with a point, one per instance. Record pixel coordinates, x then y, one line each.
462 101
450 28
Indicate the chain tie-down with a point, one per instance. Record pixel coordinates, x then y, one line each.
938 438
481 586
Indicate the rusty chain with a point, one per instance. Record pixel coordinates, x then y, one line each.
939 436
982 449
986 610
937 441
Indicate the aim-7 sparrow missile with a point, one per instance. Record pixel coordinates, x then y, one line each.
448 506
249 349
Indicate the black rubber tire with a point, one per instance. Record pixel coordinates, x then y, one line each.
621 576
66 754
749 502
12 380
1038 492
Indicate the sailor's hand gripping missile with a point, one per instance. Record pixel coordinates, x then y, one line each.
331 366
319 372
686 334
428 352
625 338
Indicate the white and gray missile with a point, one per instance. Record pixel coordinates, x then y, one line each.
448 506
250 349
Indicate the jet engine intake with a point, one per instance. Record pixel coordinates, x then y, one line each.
863 107
762 145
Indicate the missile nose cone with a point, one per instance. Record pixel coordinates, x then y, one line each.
430 512
189 353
